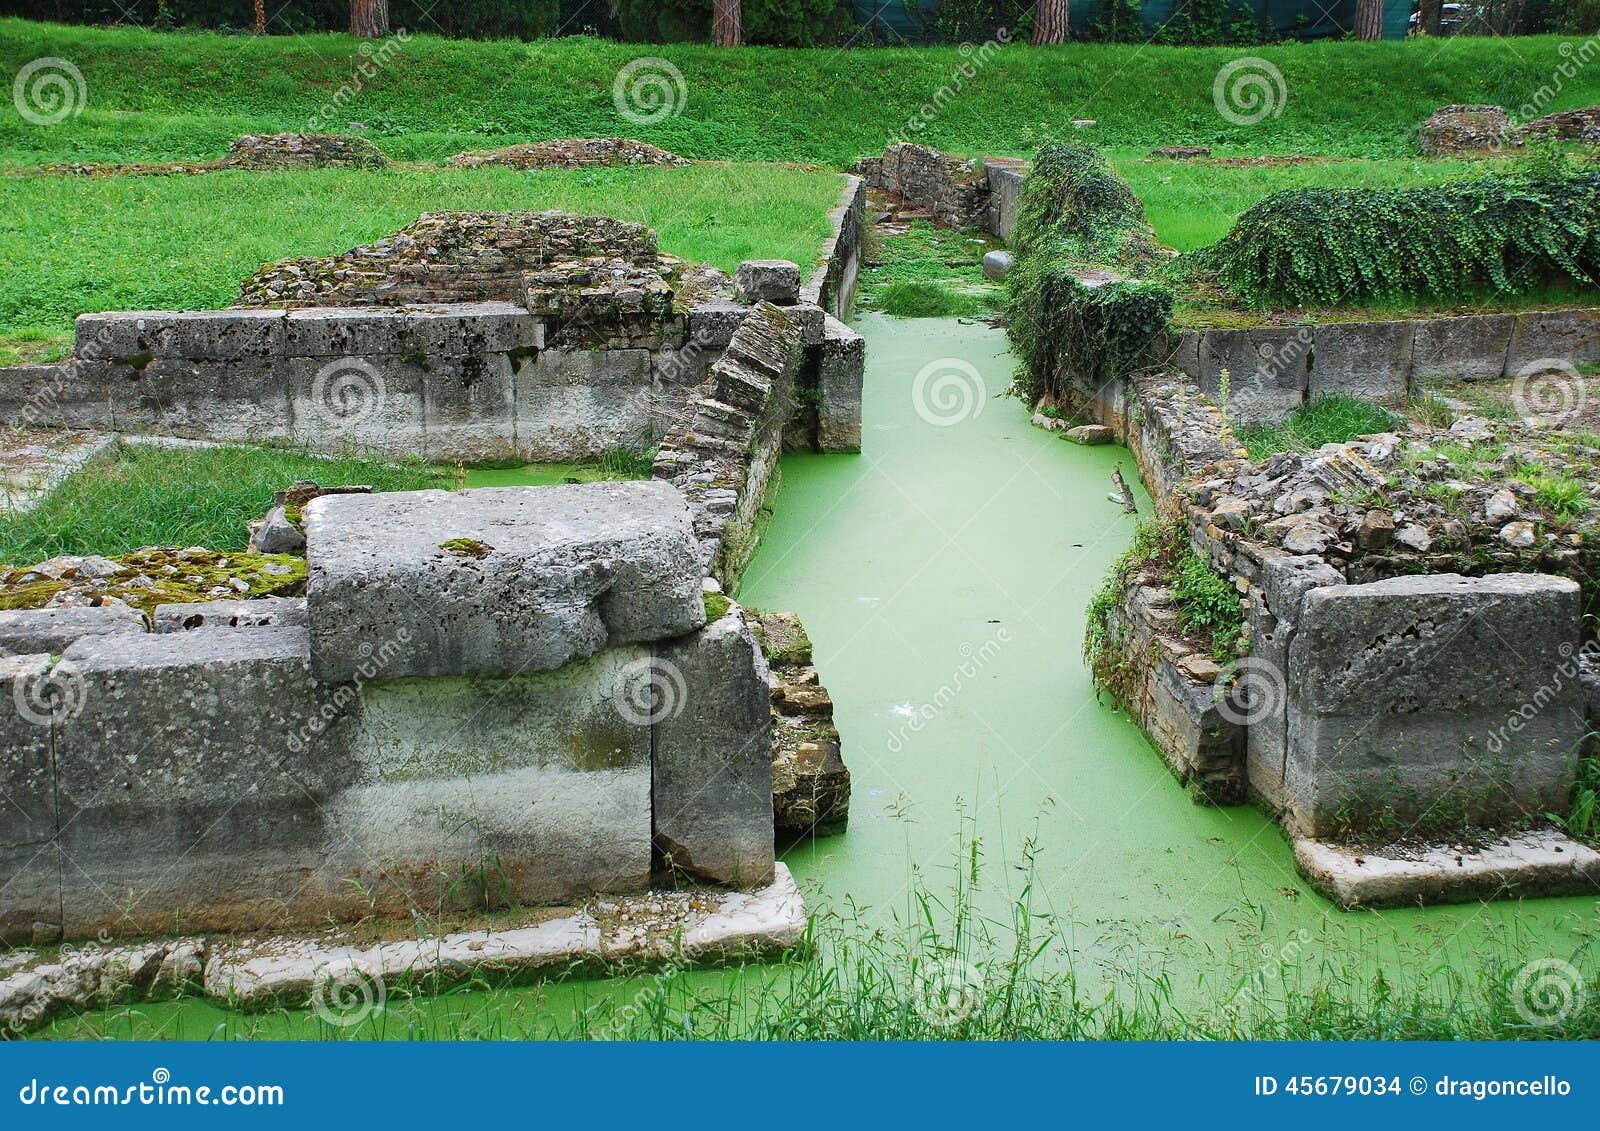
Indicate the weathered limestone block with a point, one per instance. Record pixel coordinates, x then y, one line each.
262 612
51 631
1468 348
216 400
713 755
473 328
1371 360
1273 619
1419 697
189 789
997 265
211 335
30 879
713 324
100 395
580 404
481 790
469 406
1569 337
497 581
1005 182
1266 370
841 371
810 782
768 280
362 402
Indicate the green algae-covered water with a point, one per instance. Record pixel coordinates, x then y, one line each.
942 575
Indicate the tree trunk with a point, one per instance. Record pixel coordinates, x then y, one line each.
1428 15
261 17
1369 19
369 18
1050 21
727 23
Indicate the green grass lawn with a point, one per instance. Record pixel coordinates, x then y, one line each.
153 95
69 245
141 495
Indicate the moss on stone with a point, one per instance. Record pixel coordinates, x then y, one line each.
466 548
717 607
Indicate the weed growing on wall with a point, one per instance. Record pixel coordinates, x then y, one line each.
1076 215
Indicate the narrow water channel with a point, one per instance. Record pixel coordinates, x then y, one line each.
942 575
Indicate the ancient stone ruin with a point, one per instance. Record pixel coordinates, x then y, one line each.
569 153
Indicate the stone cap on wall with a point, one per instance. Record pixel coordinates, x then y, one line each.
495 581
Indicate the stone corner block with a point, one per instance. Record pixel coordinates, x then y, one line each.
768 280
52 631
496 581
712 759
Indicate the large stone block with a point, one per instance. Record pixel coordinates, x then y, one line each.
1469 348
473 328
841 371
1371 360
261 612
768 280
1261 691
1415 698
469 408
484 790
1266 370
217 400
30 866
497 581
1571 337
189 781
713 754
713 323
581 403
51 631
363 402
345 331
211 335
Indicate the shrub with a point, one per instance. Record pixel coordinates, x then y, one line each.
1075 213
1331 247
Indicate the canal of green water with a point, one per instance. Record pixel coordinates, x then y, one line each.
943 575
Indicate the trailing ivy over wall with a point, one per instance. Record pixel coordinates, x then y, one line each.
1075 217
1334 247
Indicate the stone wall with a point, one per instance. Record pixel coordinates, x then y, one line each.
572 355
832 285
1273 370
497 697
954 189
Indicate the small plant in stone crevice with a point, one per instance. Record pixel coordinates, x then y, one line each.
1208 607
1563 495
1333 419
1582 820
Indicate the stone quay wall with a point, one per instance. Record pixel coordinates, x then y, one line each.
959 191
487 698
1359 702
471 337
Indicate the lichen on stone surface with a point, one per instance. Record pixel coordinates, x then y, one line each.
154 575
